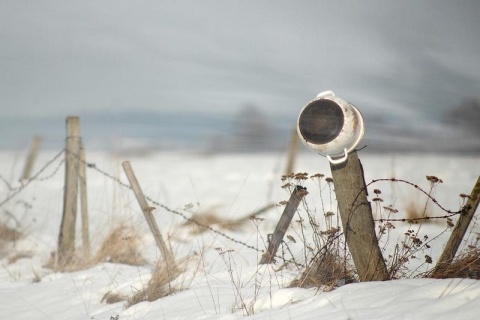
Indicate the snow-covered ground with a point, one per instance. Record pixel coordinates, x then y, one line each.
221 278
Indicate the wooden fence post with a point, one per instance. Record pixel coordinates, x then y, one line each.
283 224
357 219
66 238
84 203
32 155
147 211
292 151
459 231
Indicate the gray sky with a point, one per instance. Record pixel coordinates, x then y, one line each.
404 63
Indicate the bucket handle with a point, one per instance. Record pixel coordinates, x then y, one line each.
340 160
325 94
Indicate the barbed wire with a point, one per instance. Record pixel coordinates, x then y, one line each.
33 178
54 172
184 216
93 166
450 213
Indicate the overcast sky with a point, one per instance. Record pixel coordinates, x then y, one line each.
401 62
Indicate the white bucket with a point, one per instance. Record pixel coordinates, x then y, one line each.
330 126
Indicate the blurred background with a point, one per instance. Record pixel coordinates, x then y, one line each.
229 76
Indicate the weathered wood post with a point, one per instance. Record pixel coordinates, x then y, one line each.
333 127
459 231
66 238
32 155
147 211
357 219
84 203
297 195
292 152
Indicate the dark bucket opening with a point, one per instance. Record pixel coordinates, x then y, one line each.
321 121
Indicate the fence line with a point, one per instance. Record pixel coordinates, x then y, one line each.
184 216
93 166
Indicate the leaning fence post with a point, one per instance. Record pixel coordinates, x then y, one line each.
32 155
147 211
333 128
84 203
297 195
459 231
66 238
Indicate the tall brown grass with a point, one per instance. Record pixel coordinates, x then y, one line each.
121 245
466 265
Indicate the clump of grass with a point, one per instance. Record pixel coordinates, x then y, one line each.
467 265
158 287
319 230
112 297
121 245
326 272
7 236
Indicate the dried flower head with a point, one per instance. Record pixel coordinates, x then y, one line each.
390 209
301 176
434 179
329 214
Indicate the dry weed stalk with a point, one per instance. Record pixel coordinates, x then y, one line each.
412 244
467 265
321 238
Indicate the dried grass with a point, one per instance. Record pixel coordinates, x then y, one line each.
158 286
7 236
326 272
210 220
467 265
121 245
112 297
19 255
415 210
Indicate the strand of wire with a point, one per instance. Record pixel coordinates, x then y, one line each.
182 215
449 214
35 177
